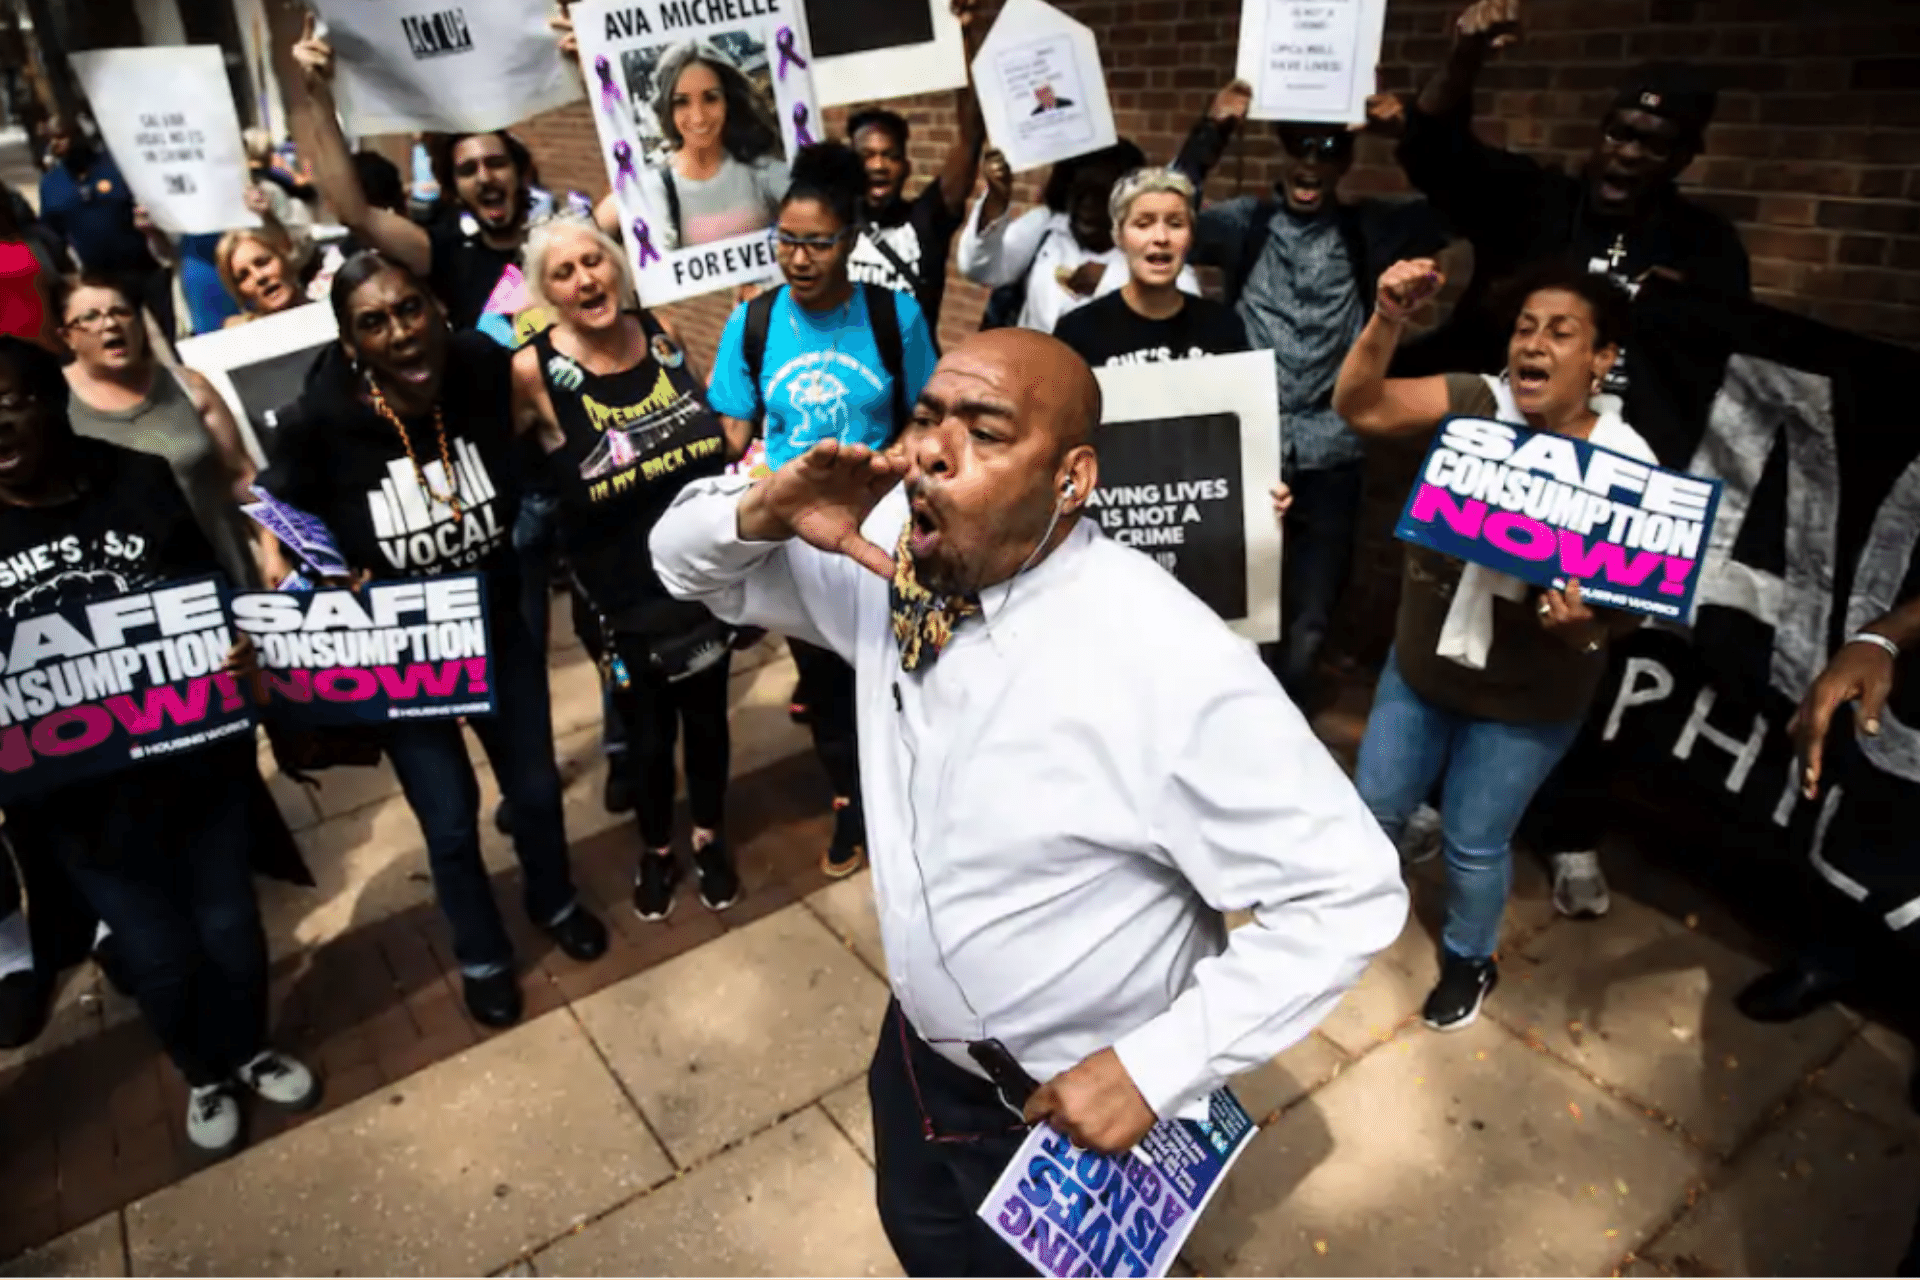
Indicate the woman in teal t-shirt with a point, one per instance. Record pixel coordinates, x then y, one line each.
834 362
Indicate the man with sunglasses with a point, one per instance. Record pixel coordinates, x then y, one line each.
1301 267
1621 215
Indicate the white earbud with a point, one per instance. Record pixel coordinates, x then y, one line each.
1067 490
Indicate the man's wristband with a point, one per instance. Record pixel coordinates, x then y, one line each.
1875 638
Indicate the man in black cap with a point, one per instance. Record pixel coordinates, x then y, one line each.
1620 216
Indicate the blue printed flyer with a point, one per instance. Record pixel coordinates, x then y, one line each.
1076 1213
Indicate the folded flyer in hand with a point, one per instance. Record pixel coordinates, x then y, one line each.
1071 1212
300 533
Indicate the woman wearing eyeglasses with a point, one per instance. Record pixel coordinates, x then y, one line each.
402 445
819 359
124 395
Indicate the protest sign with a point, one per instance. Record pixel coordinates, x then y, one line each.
699 107
91 688
259 367
1189 452
444 67
168 120
1041 87
1546 508
869 49
413 649
1310 60
1071 1212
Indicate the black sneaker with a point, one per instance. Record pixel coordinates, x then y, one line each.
653 886
494 1001
719 882
503 817
26 1000
848 851
580 934
1463 987
617 795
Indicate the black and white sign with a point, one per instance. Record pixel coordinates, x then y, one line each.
1041 86
167 117
1310 60
258 368
866 50
444 66
1189 454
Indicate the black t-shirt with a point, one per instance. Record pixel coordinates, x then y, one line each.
633 440
1107 332
338 459
465 269
920 233
128 528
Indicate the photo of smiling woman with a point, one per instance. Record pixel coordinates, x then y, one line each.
615 402
1488 680
402 445
720 168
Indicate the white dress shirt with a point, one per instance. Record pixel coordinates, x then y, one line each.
1061 807
1038 246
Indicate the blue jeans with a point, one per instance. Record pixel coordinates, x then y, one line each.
176 888
1492 769
536 539
430 757
1318 556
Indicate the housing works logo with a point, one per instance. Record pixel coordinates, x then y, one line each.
435 35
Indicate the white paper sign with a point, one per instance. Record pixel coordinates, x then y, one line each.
260 367
1313 61
699 106
444 66
873 49
1041 86
1189 454
167 117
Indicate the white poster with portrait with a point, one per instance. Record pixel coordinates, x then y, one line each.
868 50
1312 61
167 118
1041 86
700 106
444 66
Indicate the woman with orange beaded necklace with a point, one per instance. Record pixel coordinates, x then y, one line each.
402 444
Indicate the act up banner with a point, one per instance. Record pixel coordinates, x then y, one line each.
168 120
1547 509
93 688
414 649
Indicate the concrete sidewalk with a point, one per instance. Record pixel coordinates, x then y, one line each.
695 1104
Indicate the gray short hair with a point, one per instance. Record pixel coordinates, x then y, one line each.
1153 180
533 257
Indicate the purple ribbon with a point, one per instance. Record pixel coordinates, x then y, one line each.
609 91
789 56
644 238
801 138
623 160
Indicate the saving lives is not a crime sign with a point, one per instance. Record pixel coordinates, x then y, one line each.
1549 509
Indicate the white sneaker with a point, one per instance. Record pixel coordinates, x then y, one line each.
1420 838
213 1119
1579 888
281 1080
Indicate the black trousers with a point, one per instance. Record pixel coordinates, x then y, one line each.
941 1137
827 684
655 712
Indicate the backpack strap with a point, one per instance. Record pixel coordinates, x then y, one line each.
884 317
906 273
753 341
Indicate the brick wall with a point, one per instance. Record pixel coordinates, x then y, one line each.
1815 153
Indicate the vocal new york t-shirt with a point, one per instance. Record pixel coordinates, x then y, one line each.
1109 332
822 377
338 459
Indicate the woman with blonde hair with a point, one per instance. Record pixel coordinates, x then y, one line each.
262 266
616 404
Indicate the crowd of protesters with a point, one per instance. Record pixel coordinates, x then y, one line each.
104 438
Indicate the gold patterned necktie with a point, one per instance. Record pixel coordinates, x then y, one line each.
923 623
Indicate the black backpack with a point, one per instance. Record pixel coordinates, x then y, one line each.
885 319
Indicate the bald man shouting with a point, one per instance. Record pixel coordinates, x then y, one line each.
1072 770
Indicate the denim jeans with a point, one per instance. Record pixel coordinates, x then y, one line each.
536 540
1491 767
436 774
178 895
1318 556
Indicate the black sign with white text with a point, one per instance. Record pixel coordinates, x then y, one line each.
1172 488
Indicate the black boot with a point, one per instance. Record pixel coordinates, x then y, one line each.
1792 991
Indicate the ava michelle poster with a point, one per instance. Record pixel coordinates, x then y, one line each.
1041 86
700 106
1189 455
